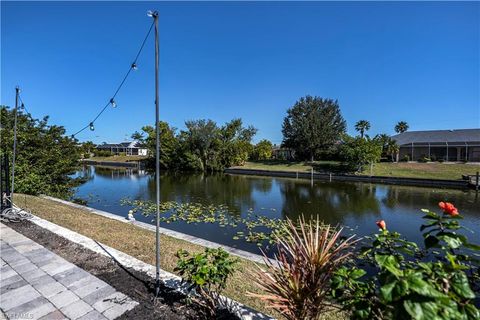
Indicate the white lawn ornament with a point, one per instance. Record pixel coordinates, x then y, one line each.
130 216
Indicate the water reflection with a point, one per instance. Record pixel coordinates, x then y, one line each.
357 205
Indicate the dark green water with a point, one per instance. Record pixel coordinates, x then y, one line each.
357 205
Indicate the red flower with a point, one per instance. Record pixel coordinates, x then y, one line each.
381 224
448 208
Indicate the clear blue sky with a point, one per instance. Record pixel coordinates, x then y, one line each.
384 62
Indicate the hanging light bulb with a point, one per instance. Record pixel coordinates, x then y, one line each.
72 136
113 103
91 126
134 66
23 106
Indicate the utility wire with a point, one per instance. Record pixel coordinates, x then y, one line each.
112 99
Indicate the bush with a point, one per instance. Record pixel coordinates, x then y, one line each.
405 158
102 153
408 283
296 285
424 159
207 274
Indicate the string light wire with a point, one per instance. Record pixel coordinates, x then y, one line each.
111 101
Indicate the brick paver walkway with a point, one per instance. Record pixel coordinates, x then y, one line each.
35 283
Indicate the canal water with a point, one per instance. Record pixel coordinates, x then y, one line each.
356 205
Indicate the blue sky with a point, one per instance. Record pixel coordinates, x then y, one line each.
384 62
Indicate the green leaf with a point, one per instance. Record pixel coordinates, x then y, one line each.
421 310
357 273
452 241
389 263
417 284
386 291
461 286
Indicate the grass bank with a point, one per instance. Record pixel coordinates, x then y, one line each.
119 158
140 243
449 171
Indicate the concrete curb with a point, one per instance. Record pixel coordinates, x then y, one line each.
419 182
174 234
128 261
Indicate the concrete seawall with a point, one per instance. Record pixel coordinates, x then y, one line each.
454 184
132 164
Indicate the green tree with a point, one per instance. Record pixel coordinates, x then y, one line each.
312 124
87 148
168 144
45 156
401 127
202 138
262 150
359 152
362 126
235 143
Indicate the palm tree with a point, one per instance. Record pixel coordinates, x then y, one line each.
392 149
362 126
401 127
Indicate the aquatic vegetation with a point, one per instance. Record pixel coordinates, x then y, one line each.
251 227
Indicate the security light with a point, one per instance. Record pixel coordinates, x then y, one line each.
113 103
91 126
134 66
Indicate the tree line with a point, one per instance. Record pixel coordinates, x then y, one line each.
313 128
204 145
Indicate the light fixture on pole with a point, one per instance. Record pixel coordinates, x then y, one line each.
154 15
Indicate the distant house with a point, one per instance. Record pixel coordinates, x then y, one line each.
133 148
280 153
446 145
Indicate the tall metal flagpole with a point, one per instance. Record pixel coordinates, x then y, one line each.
154 15
17 91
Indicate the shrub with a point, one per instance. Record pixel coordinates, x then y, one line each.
103 153
207 274
424 159
407 283
405 158
296 285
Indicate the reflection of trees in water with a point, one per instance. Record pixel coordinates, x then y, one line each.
333 202
428 198
115 173
215 189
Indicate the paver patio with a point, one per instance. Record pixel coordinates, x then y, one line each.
35 283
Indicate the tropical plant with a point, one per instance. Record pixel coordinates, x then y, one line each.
207 273
401 127
362 126
297 283
405 282
390 147
313 124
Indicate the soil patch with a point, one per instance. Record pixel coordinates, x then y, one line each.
137 285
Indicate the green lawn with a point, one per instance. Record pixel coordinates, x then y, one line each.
451 171
120 158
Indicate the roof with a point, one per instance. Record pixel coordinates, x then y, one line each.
439 136
132 144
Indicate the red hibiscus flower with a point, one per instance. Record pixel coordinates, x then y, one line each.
448 208
381 224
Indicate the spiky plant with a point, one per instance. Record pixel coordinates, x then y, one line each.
296 284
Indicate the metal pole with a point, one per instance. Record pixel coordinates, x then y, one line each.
17 92
157 159
477 182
